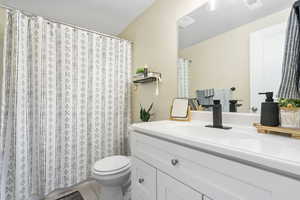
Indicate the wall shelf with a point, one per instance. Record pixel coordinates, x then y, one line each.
145 80
153 76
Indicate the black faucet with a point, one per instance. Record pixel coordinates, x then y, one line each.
217 116
233 105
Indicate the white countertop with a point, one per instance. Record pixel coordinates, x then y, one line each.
276 153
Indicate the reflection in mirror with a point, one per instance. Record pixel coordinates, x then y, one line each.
231 51
2 27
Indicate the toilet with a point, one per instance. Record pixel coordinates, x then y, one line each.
112 173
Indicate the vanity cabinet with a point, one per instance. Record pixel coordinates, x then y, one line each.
185 173
171 189
143 180
151 184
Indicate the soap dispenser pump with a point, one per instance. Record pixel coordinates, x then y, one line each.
269 111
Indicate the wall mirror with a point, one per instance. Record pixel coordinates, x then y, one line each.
232 50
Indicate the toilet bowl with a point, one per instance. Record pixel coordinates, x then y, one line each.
112 173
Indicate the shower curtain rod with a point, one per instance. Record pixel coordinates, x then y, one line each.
63 23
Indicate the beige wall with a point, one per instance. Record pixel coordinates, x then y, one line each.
2 26
155 43
223 61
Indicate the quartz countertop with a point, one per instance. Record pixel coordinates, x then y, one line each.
270 152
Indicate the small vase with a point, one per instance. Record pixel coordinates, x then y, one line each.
290 117
145 72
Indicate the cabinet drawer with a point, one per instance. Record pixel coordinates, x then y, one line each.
215 177
206 198
143 181
171 189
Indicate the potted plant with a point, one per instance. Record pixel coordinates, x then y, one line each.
140 70
290 113
145 115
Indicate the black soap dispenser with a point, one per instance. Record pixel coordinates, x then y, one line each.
269 111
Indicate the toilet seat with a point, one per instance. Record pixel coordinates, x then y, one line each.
112 173
111 165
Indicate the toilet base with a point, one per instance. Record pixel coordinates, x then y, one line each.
111 193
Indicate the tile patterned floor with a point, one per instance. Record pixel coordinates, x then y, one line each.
73 196
89 191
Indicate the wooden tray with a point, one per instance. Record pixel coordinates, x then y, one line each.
294 133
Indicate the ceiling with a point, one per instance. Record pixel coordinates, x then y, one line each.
228 15
106 16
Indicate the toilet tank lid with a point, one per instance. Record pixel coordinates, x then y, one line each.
112 163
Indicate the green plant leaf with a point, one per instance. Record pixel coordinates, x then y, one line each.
140 70
285 102
150 108
145 115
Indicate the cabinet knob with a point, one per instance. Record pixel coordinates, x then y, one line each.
174 162
141 180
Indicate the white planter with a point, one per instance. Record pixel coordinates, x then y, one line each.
290 118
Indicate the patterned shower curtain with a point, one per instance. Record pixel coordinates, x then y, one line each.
65 104
183 77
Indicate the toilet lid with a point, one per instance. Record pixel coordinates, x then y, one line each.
111 164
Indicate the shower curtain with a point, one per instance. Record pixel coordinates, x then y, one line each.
183 77
65 104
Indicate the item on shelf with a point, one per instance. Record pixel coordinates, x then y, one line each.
146 71
140 71
143 75
290 113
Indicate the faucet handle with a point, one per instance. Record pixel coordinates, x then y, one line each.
215 102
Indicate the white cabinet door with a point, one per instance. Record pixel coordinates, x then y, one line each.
206 198
143 181
171 189
266 58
